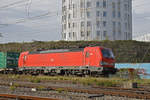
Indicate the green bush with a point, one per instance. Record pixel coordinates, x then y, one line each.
106 83
125 51
36 80
60 90
12 88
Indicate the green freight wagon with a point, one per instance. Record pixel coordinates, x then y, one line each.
8 60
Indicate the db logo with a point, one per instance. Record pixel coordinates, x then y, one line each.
52 60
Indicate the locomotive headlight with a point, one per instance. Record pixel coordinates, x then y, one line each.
113 64
104 63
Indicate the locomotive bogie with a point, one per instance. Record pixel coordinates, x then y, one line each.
62 70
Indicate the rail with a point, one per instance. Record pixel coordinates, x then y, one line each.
10 96
139 93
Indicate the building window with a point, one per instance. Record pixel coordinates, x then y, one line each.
82 14
114 24
104 13
119 14
74 34
69 16
105 34
119 28
126 26
114 14
64 1
69 25
81 5
125 35
88 23
74 14
97 13
82 34
98 24
64 18
64 9
104 23
73 25
119 32
69 6
98 33
64 26
119 5
88 14
97 4
113 5
114 29
114 32
88 4
73 6
125 7
64 36
69 35
82 24
88 33
104 4
125 16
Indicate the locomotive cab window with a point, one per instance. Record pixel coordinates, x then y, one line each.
107 53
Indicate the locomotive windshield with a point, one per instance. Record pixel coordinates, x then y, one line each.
107 53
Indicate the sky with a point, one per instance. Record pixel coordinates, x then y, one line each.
40 20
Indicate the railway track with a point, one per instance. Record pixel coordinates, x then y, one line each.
140 90
139 93
113 92
21 97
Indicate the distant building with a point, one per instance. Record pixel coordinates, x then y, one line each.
144 38
96 20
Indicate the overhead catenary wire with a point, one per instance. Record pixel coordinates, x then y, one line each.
28 5
48 14
12 4
29 2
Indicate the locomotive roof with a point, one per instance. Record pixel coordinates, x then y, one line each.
57 51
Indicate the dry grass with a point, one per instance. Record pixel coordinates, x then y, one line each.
100 81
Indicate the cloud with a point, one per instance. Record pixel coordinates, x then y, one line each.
147 18
49 27
141 6
45 28
141 19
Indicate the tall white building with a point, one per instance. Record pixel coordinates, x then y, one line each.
96 20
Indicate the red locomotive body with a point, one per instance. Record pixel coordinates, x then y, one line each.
74 61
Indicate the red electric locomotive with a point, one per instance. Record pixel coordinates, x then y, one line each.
85 61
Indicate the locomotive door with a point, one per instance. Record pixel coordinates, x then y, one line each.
90 58
87 58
